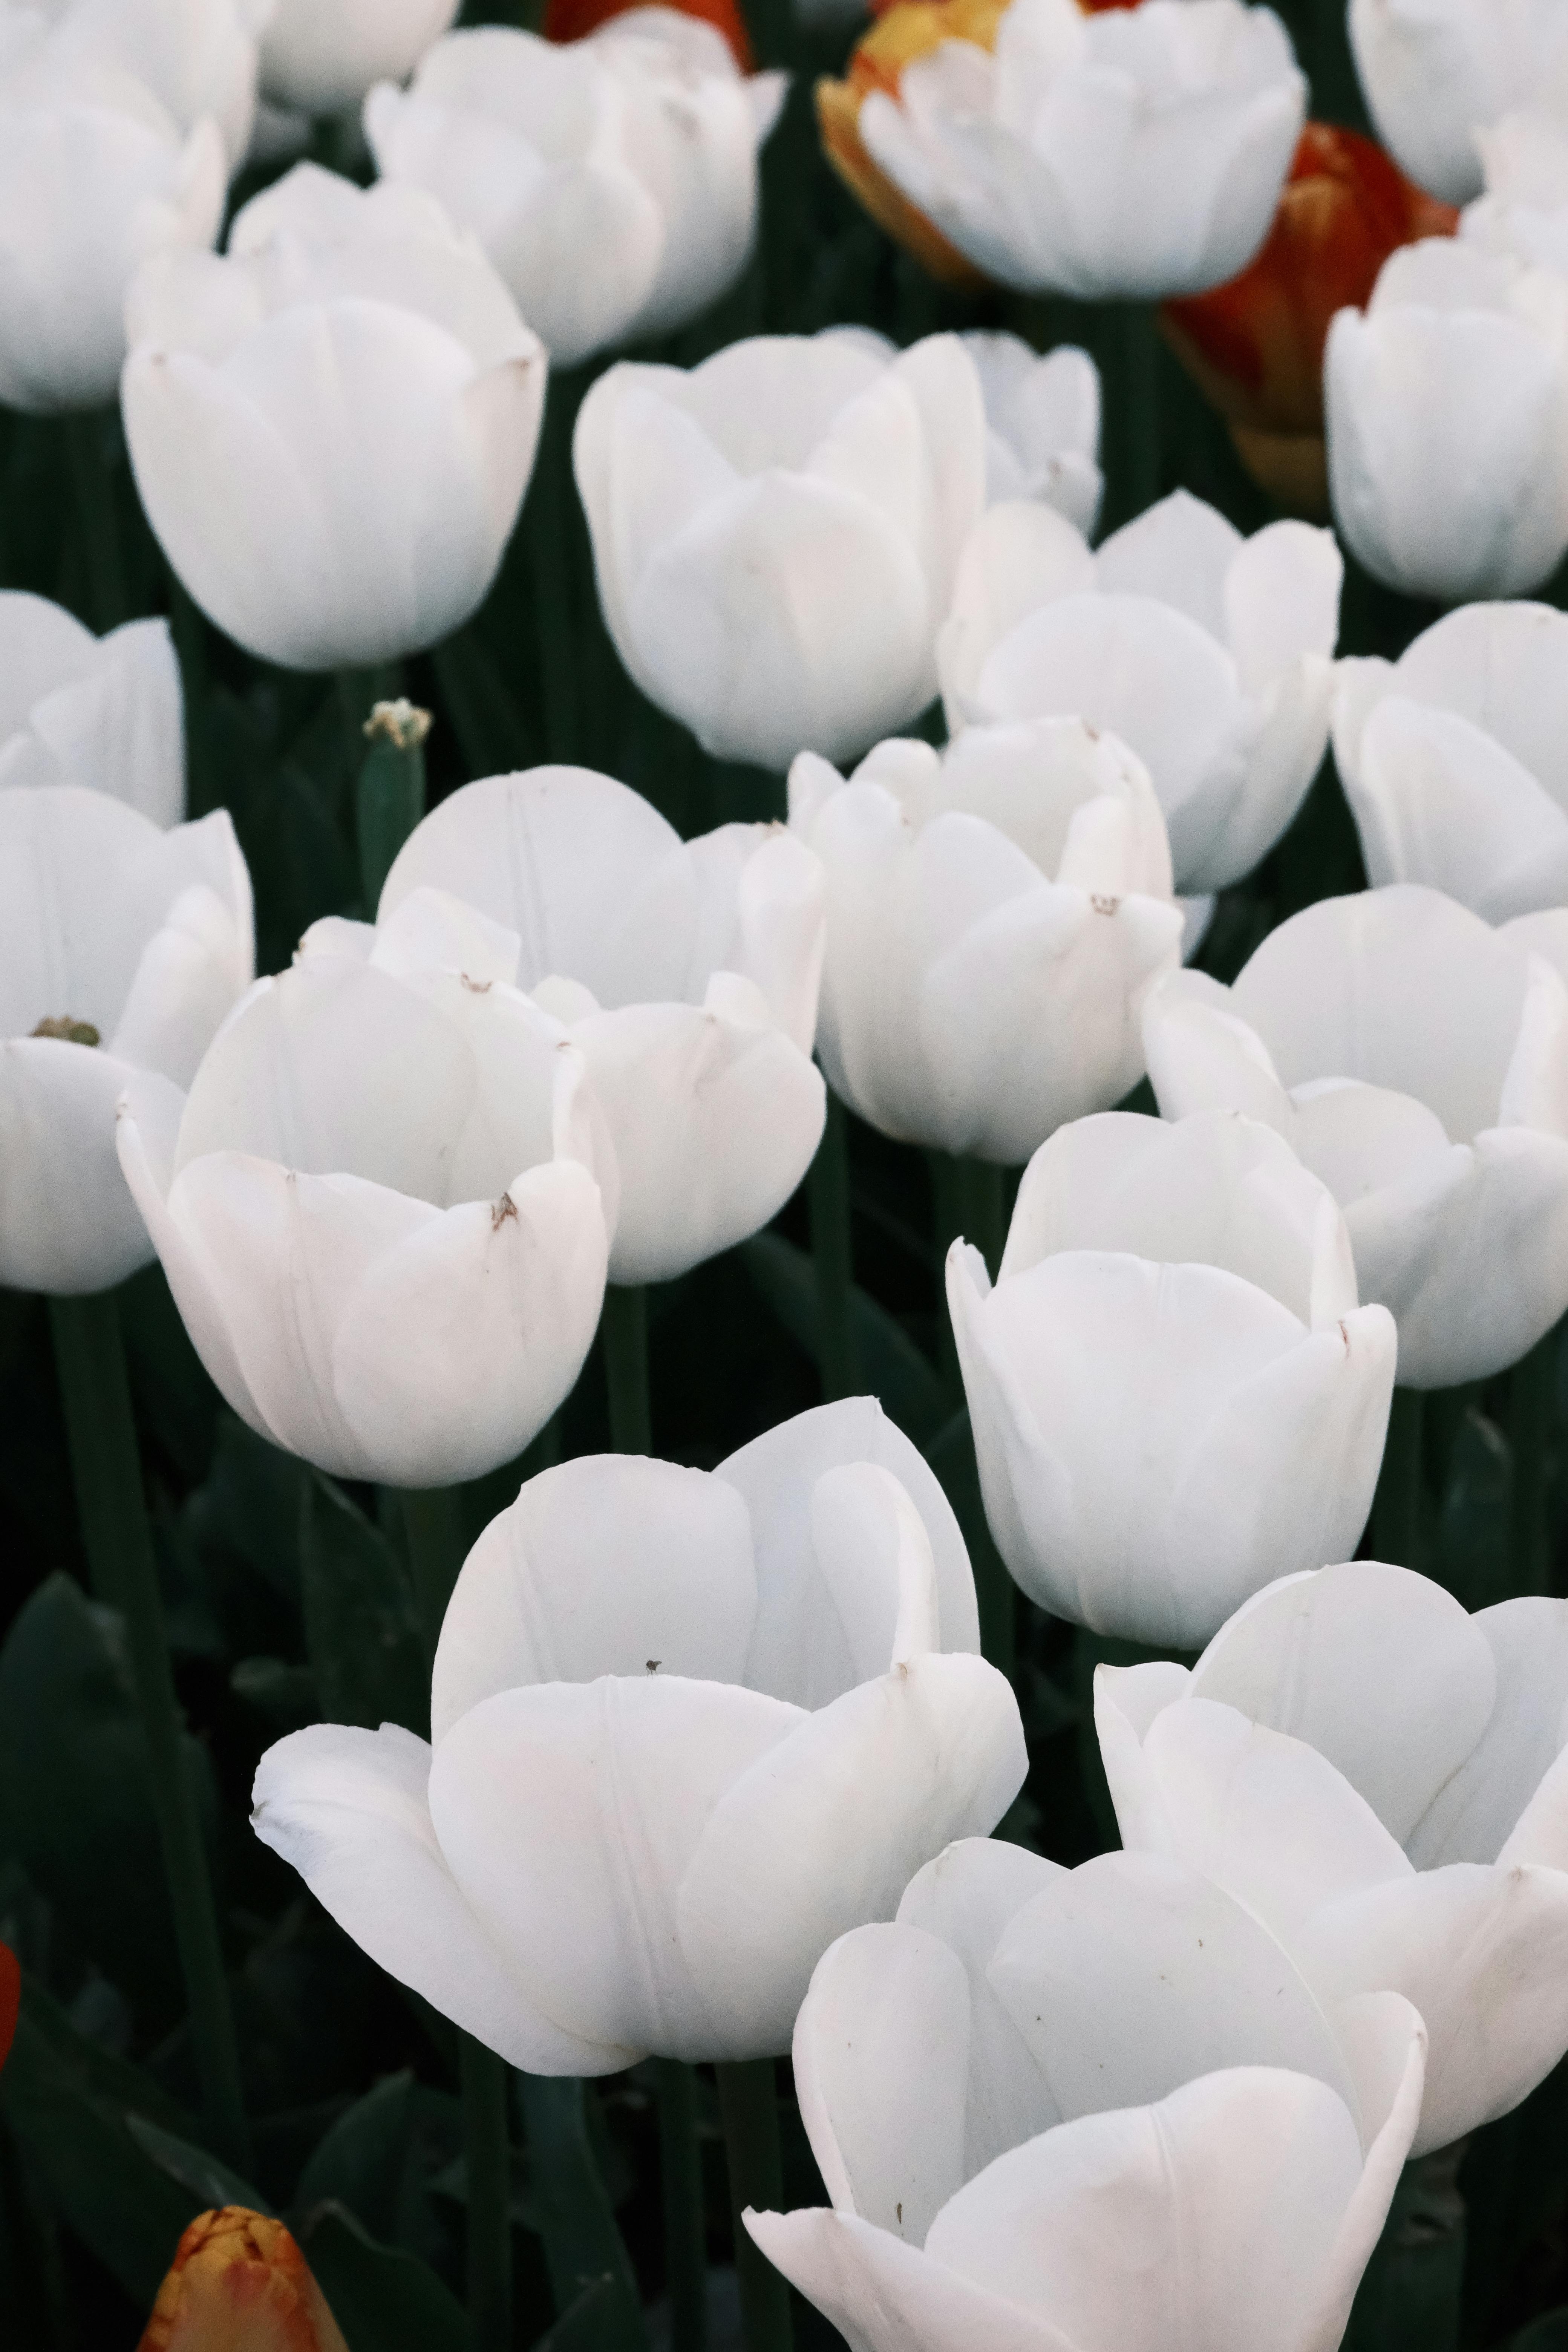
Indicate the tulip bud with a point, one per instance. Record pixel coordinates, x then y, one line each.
1255 346
239 2283
10 1998
573 20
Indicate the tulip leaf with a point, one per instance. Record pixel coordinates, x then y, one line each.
383 2299
590 2323
907 1386
492 733
1408 2300
362 1635
582 2244
1547 2334
202 2174
77 1791
1471 1550
243 1522
67 2104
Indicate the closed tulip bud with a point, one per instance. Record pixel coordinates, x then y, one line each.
1455 759
1356 1715
353 390
1210 655
1173 1388
688 1726
1000 143
123 949
95 179
996 916
573 20
379 1206
239 2283
1417 1061
1088 2109
777 533
197 56
613 182
1459 348
321 55
79 710
1256 345
1437 71
685 974
10 1998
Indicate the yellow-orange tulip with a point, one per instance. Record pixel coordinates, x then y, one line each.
238 2282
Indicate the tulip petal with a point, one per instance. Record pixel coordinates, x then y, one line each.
68 1223
1179 551
1473 1816
1438 802
885 2297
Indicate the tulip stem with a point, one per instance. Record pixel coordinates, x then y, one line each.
488 2163
106 1469
92 487
433 1521
685 2224
839 1354
1532 1396
390 799
1134 469
1396 1505
748 2104
623 1332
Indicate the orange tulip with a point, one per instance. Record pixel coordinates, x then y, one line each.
10 1998
570 20
1256 345
239 2283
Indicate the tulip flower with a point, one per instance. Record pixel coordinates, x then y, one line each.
1080 2109
1377 1778
776 534
353 390
1438 71
1209 653
1417 1061
95 180
1124 153
996 916
613 182
573 20
197 56
1455 759
122 948
379 1206
1525 209
10 1998
686 975
79 710
1255 346
321 55
688 1726
239 2283
1172 1389
1446 402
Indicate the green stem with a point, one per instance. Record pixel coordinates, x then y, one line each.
685 2231
551 497
488 2163
748 2104
1130 432
434 1520
623 1334
390 799
92 487
89 1358
832 1248
1396 1505
1529 1410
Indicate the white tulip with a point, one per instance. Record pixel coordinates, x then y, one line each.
686 975
95 179
1437 71
321 55
996 914
688 1726
105 712
1446 403
1062 2111
197 56
121 949
1417 1061
379 1205
1172 1389
1525 209
1210 653
352 391
1134 154
1042 425
1379 1778
612 180
1455 759
776 534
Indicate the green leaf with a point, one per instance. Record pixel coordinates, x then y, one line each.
384 2300
583 2245
367 2162
245 1525
908 1388
1471 1553
1547 2334
591 2322
1408 2300
76 1789
492 732
67 2103
361 1632
205 2177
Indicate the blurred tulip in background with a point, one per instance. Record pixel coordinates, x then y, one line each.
238 2282
104 712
